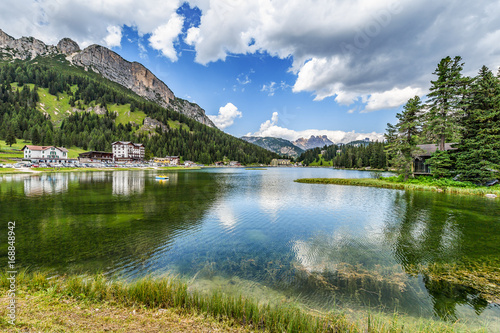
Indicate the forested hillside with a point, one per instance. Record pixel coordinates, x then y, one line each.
347 156
51 103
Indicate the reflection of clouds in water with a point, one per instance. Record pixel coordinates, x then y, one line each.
226 216
128 183
323 253
450 239
46 184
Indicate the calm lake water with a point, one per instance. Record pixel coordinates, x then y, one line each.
258 232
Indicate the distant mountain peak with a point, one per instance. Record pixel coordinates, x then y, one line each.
68 46
313 142
276 145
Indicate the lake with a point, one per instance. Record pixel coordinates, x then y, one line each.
257 232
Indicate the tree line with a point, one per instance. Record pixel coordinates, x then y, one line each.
20 118
461 110
348 156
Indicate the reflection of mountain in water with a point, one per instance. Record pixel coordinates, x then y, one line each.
430 233
45 184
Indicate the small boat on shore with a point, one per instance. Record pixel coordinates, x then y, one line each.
161 177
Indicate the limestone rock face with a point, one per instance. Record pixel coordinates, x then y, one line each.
24 48
67 46
151 124
313 142
193 111
131 75
109 64
4 38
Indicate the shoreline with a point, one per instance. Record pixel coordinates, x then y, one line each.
380 183
148 305
28 171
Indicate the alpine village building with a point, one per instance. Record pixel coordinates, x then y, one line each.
420 167
44 153
126 151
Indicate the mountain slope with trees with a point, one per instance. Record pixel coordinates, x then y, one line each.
21 113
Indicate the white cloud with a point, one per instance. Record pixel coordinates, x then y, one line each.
164 36
85 21
391 98
227 115
351 50
272 87
270 128
345 50
114 37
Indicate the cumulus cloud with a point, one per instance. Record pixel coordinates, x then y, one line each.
350 51
372 51
85 21
227 115
271 128
114 37
391 99
164 36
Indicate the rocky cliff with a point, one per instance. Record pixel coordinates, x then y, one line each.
313 142
109 64
25 47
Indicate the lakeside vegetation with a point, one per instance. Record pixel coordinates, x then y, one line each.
58 295
419 184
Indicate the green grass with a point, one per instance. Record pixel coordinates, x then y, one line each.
177 125
172 293
125 116
321 162
446 186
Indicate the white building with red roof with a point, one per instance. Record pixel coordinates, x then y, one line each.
44 153
128 151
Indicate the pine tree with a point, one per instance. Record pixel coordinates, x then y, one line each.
446 101
11 138
402 138
35 136
479 150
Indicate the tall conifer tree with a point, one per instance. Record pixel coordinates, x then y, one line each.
478 157
402 138
445 107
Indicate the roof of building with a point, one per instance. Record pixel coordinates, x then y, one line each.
41 148
127 143
429 149
94 152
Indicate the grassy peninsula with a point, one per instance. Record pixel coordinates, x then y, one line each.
95 304
416 184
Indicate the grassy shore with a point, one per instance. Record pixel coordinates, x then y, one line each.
95 304
393 183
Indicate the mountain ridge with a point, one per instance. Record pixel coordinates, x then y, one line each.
276 145
109 64
312 142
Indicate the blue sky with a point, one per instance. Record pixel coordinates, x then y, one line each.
279 68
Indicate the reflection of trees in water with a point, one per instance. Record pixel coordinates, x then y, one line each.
446 296
430 229
87 228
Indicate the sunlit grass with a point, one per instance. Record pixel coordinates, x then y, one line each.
168 292
384 183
